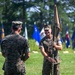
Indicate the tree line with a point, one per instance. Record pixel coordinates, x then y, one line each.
43 12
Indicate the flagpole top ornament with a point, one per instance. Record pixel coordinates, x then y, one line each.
34 22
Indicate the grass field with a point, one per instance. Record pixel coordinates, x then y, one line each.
34 63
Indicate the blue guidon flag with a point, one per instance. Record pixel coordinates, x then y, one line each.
36 35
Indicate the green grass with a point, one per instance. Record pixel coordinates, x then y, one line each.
34 64
67 66
1 64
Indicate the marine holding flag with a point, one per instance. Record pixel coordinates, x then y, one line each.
49 47
46 48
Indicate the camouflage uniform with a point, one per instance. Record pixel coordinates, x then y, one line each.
47 66
13 47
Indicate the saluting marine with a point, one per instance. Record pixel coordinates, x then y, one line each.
15 49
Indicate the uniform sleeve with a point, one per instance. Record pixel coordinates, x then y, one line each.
41 44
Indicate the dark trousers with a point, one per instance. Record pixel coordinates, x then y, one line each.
47 69
18 69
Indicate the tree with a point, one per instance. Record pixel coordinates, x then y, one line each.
43 12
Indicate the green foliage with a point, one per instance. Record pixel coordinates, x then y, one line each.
44 13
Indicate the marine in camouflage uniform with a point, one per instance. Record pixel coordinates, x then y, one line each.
47 50
15 49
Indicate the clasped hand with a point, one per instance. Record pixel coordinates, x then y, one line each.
51 60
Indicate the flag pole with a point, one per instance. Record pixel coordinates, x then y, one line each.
56 29
53 40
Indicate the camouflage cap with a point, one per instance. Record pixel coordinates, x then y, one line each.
47 27
16 24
